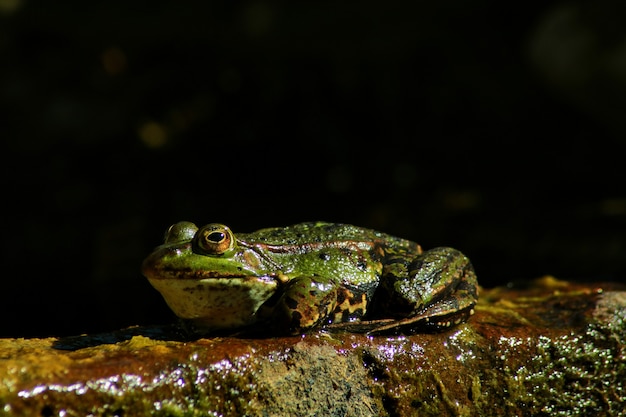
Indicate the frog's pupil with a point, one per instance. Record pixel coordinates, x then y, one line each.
216 237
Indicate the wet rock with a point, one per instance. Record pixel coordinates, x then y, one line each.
553 348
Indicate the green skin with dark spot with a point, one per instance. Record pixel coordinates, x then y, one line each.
294 279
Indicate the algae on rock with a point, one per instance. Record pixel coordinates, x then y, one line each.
555 348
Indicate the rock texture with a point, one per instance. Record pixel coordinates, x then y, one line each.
554 348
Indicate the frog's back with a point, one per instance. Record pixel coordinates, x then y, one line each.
332 234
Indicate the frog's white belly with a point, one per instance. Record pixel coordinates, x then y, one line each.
216 303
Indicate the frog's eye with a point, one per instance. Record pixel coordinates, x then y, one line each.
214 239
180 232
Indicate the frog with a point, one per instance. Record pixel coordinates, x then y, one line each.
307 276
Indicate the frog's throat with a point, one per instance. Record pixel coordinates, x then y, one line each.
215 302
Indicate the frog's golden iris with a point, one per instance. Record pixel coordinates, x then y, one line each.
298 278
214 239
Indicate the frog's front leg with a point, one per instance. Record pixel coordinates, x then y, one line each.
302 304
436 290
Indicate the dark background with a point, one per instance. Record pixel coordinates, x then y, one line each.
496 129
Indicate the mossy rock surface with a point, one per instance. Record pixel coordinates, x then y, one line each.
553 348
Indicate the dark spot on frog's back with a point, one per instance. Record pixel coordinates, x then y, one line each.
324 256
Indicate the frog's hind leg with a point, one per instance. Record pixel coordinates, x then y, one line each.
440 291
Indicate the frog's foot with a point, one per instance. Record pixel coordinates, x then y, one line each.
430 320
302 305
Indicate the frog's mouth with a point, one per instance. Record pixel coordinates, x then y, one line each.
216 302
225 297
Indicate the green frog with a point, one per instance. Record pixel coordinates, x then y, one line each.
294 279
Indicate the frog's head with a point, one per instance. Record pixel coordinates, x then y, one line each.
207 276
